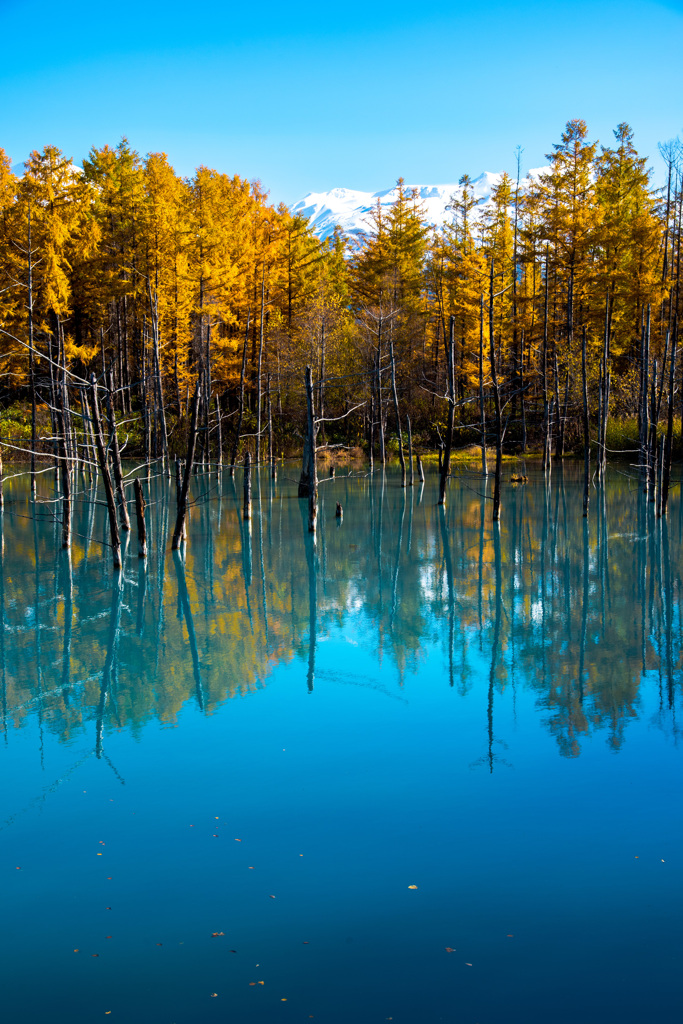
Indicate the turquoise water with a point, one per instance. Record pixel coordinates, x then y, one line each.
419 771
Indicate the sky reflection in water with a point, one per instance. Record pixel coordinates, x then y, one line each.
274 740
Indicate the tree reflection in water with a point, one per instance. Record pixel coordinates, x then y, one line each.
576 612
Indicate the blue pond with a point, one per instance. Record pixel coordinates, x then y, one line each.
419 770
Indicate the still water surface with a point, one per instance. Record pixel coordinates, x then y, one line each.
419 771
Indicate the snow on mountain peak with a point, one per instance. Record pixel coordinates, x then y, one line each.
350 208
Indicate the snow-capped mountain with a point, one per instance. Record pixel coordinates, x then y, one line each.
350 208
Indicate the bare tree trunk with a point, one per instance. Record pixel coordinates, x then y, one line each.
157 380
380 422
313 451
240 417
246 511
31 357
116 458
411 475
396 412
652 438
666 475
258 374
586 431
321 386
497 406
450 368
643 402
140 516
482 406
65 470
547 450
179 531
271 449
106 478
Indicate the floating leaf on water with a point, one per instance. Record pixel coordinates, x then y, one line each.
412 887
272 897
449 949
214 994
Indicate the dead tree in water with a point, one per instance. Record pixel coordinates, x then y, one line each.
106 477
116 458
65 469
179 532
643 415
411 475
482 407
140 516
497 406
240 417
396 412
666 473
246 512
547 448
586 431
308 482
446 463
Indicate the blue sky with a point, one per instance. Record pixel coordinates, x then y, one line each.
310 96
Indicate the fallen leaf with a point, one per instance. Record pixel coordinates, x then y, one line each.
510 936
107 936
233 950
283 1000
252 983
159 943
214 994
261 982
94 954
412 887
238 840
663 861
272 897
107 908
76 950
467 965
251 868
18 869
449 949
